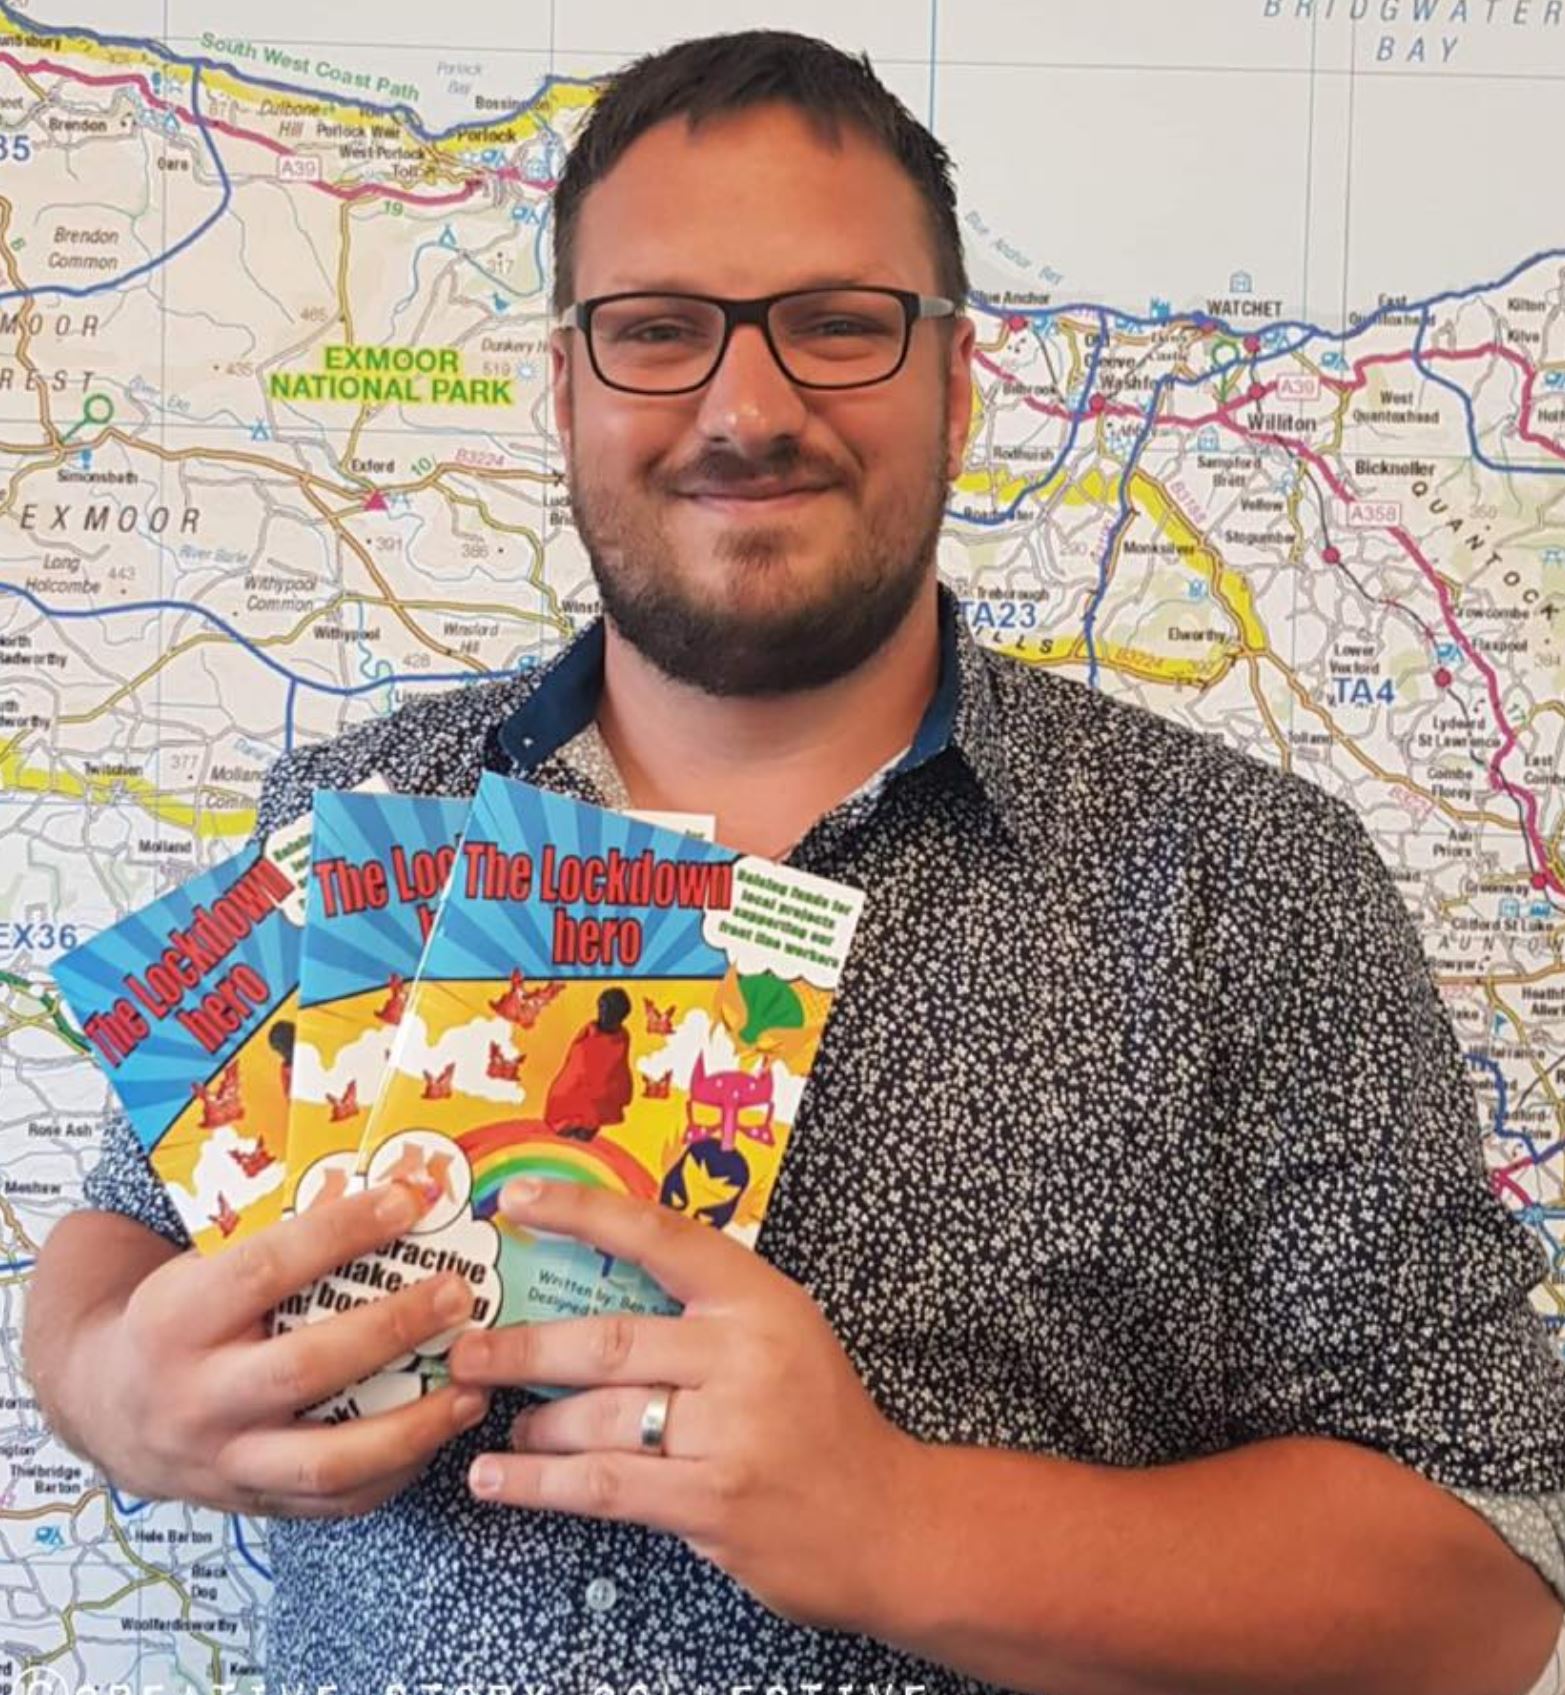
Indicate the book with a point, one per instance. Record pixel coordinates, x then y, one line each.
378 867
189 1007
378 864
600 1001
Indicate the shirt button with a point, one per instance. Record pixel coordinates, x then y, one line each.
601 1594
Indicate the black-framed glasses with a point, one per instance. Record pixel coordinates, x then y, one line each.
672 343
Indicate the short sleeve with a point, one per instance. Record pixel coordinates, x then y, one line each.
123 1181
1534 1525
1383 1289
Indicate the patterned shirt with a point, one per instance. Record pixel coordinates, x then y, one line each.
1138 1132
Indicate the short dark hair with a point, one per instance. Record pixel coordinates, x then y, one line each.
716 74
613 1008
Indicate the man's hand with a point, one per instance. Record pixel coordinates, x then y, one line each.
203 1397
776 1464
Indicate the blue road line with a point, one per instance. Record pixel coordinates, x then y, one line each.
1502 1130
1121 524
1078 417
9 1265
1303 328
160 259
194 62
159 606
1309 332
1537 1217
1472 421
126 1508
1262 356
1486 1062
244 1549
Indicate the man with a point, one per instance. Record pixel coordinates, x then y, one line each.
1131 1314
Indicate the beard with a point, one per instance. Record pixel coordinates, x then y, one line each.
760 643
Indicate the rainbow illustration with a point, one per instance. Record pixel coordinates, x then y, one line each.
525 1147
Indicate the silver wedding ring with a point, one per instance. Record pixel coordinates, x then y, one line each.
654 1420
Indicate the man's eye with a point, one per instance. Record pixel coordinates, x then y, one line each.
839 327
656 333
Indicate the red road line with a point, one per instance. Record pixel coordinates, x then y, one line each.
1489 350
1524 798
1500 1180
359 191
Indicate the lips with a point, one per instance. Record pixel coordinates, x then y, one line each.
752 491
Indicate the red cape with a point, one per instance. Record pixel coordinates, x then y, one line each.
594 1085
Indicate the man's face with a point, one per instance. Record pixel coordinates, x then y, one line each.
754 537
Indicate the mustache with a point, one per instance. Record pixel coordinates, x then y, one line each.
719 466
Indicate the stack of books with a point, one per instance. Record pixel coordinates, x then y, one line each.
456 993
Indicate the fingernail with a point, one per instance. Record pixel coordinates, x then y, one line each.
522 1191
519 1429
397 1205
452 1302
469 1407
430 1190
484 1475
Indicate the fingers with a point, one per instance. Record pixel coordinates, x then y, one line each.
272 1378
325 1465
609 1420
690 1260
240 1286
319 1506
577 1352
662 1494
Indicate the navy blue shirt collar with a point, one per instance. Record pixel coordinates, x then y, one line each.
960 717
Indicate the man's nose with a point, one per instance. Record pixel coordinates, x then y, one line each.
749 401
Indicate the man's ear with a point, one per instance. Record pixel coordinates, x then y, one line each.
959 395
560 385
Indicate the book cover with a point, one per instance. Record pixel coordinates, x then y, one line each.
189 1006
379 864
607 1002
